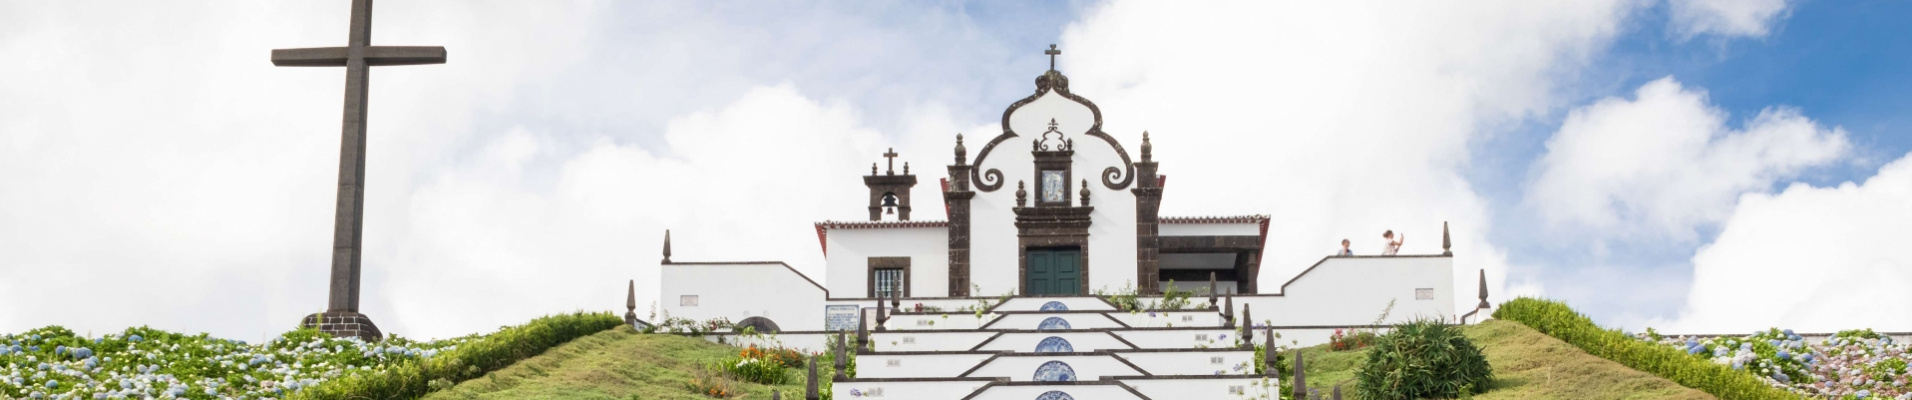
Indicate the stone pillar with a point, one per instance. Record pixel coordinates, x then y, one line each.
957 197
1148 200
1247 327
1268 356
842 343
1301 377
810 383
630 305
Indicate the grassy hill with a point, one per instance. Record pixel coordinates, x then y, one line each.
621 364
614 364
1527 365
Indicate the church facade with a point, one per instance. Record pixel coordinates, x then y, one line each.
1051 206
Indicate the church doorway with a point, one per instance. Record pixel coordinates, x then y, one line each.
1054 272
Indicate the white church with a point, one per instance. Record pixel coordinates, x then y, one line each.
997 292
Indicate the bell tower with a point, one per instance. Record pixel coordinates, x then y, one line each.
889 192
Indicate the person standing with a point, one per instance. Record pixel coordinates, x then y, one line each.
1345 251
1393 243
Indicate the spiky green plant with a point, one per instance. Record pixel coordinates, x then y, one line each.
1422 359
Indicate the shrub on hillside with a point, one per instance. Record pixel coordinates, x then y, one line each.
470 360
1422 359
1556 319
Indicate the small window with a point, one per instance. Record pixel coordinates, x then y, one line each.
689 300
1215 360
889 282
893 362
1424 294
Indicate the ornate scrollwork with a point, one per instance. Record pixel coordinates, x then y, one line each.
1114 178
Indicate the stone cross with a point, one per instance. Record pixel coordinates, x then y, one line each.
358 56
891 155
1052 52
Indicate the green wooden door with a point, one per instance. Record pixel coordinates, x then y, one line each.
1054 272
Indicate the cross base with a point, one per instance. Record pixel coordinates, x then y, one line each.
344 324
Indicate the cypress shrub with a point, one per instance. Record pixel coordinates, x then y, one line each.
470 360
1556 319
1422 359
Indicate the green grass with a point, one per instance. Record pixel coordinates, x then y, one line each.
1527 365
615 364
621 364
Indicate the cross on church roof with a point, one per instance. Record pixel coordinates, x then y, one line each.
1052 52
892 156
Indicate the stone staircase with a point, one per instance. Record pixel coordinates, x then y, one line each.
1055 348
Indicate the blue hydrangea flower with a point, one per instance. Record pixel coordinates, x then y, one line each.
52 384
1784 356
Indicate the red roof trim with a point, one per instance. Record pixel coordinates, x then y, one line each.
1230 219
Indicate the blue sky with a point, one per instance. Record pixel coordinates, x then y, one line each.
1577 148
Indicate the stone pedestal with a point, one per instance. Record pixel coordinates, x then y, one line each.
344 324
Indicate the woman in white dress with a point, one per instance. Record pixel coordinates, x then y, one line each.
1394 243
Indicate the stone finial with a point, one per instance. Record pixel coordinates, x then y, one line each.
962 153
1085 192
630 304
1447 244
1269 357
906 168
872 169
881 317
775 395
810 383
1228 312
1337 392
1483 290
896 302
1247 328
1301 377
1148 150
1213 288
1022 195
842 344
862 334
667 246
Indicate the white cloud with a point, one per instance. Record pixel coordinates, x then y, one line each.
1664 164
1816 259
1726 17
1341 120
197 195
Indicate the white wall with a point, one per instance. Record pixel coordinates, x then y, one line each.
1179 338
1354 290
1025 342
1258 388
848 262
1034 320
993 235
912 390
927 340
1022 368
1035 303
1093 391
1231 362
739 291
1207 229
948 365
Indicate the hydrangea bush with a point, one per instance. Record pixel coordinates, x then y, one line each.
55 363
1858 364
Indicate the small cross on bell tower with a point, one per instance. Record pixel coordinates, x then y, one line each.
889 192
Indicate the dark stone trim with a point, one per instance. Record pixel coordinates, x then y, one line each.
869 276
985 342
898 185
1052 227
879 380
344 324
991 179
